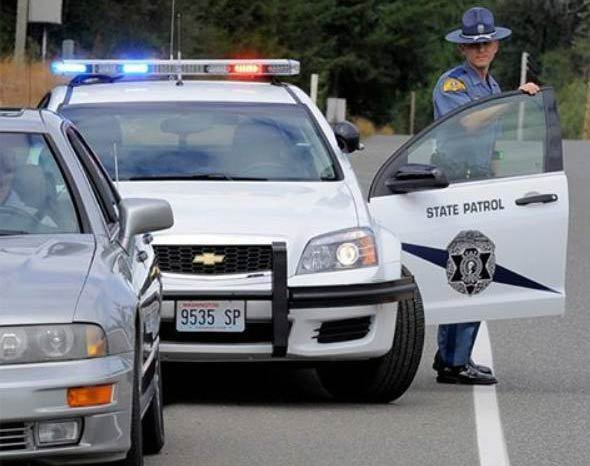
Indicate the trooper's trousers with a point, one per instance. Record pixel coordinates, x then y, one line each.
455 342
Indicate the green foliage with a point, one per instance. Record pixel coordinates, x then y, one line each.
7 26
371 52
572 103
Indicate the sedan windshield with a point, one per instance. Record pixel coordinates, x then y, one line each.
205 141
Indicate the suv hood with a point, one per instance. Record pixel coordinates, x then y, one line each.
41 277
223 213
280 210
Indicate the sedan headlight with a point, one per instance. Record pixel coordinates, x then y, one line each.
44 343
349 249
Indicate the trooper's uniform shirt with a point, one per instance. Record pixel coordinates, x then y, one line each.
460 86
457 87
458 153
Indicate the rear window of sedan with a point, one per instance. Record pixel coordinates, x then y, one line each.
34 197
209 141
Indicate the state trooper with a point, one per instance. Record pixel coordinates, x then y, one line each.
478 41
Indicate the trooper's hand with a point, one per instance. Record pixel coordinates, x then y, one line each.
529 88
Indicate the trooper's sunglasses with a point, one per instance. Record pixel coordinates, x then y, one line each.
477 45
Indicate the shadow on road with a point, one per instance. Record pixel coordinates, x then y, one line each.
247 383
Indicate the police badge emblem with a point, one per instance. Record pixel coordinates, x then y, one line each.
472 262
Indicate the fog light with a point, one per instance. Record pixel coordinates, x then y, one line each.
51 433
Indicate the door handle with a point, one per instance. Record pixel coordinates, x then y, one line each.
537 199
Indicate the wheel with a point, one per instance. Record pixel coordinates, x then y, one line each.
135 454
153 420
383 379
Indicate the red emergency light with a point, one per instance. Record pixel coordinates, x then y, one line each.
247 68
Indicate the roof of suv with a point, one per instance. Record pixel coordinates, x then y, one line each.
189 91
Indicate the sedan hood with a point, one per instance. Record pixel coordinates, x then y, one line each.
41 277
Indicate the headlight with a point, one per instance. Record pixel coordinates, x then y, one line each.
43 343
349 249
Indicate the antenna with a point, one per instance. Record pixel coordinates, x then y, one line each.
172 30
179 46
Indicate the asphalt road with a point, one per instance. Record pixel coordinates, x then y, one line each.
276 415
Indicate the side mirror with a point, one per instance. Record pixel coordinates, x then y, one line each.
417 177
347 136
138 216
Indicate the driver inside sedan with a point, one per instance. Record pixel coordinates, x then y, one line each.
8 195
23 196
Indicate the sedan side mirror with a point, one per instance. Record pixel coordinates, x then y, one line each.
347 136
140 216
417 177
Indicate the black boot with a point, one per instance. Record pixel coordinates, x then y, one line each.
479 367
466 375
439 364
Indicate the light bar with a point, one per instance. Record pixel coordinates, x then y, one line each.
263 67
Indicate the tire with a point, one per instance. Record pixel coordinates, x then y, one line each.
135 454
153 420
384 379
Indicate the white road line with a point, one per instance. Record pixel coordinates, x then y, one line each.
490 437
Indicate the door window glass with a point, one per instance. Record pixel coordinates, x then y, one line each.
501 138
34 197
101 186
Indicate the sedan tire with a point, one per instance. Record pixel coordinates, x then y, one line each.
135 454
153 421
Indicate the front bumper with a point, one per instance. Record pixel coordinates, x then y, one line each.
292 316
36 392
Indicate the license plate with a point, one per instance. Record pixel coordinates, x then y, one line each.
210 316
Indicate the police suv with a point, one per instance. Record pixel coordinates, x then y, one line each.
276 254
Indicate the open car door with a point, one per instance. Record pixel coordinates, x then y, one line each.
479 201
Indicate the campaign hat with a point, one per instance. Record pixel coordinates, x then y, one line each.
478 26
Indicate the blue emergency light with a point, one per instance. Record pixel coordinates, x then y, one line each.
263 67
133 68
67 68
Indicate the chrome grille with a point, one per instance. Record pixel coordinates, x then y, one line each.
236 259
16 436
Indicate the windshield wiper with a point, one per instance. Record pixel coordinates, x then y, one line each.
180 177
196 176
13 232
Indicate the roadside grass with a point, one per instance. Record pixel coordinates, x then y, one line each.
24 84
367 128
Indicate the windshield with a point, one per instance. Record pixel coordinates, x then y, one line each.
34 198
210 141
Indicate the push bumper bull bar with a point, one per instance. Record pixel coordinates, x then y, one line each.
285 298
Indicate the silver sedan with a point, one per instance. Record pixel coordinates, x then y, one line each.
80 297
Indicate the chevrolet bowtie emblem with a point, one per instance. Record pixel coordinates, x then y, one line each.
208 258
